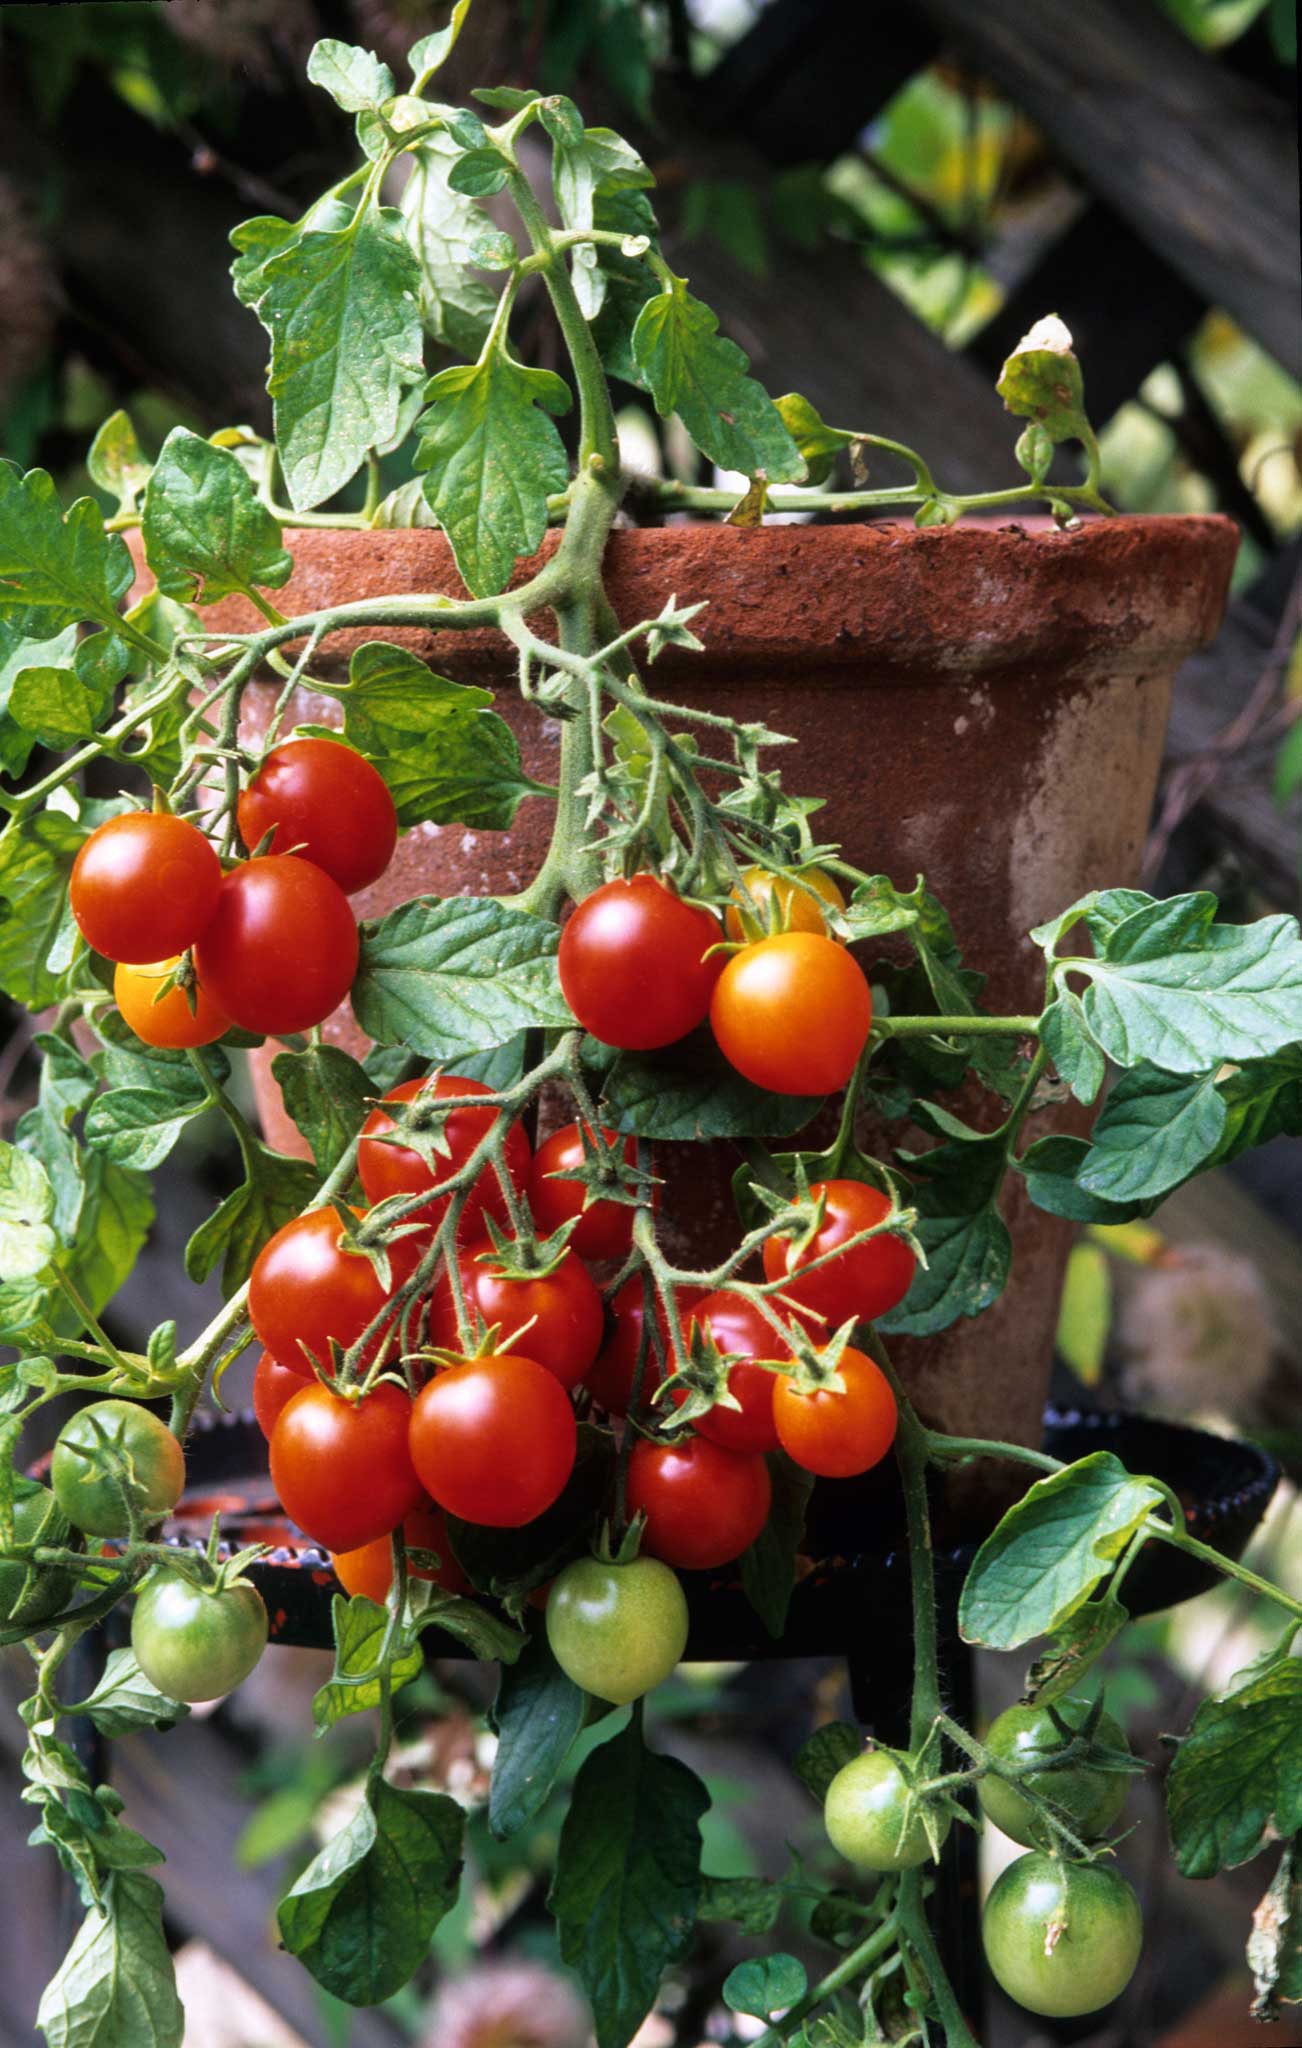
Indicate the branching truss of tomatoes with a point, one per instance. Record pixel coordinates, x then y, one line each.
482 1376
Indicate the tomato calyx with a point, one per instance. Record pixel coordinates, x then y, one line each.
702 1380
524 1255
605 1173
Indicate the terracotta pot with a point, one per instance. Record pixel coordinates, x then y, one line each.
985 706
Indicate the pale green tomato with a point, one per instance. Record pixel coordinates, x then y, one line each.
1062 1938
865 1815
194 1643
617 1629
30 1593
86 1491
1090 1800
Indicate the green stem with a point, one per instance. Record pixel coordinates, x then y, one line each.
598 441
1203 1551
914 1927
948 1450
90 1321
955 1027
911 1460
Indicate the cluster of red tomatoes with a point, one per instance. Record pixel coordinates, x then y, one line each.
147 887
492 1439
791 1010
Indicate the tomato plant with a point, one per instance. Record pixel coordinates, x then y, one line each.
387 1167
159 1010
144 885
280 950
342 1467
197 1642
636 964
325 803
617 1630
792 1013
681 883
493 1439
867 1280
1061 1938
555 1316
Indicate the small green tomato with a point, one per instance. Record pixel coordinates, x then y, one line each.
31 1593
617 1629
195 1642
1061 1938
1089 1799
87 1491
867 1819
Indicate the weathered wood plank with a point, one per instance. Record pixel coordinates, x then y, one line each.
1202 162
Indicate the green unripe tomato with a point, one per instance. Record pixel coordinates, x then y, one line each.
1090 1799
194 1643
865 1815
30 1593
617 1629
1061 1938
86 1491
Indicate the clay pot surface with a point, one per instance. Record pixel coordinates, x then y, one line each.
984 705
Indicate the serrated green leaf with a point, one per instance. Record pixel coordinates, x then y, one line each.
1073 1648
360 1627
27 1239
1052 1168
341 307
433 50
628 1878
1051 1550
455 976
139 1127
56 707
968 1247
361 1915
56 570
492 455
537 1714
689 1093
818 443
116 1984
117 463
443 226
1155 1130
1173 987
1237 1775
36 928
17 653
326 1094
768 1568
1041 381
1263 1100
827 1751
694 371
1067 1039
125 1700
273 1190
354 78
752 1902
117 1214
205 533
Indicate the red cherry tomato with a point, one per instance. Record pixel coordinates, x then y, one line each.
369 1571
273 1385
737 1326
792 1013
342 1469
605 1229
144 886
494 1440
558 1315
632 963
326 803
306 1288
610 1382
838 1435
281 950
703 1505
867 1281
389 1169
166 1020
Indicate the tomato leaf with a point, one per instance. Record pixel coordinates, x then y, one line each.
1073 1647
56 570
354 1686
27 1239
628 1878
754 1903
1052 1167
116 1216
274 1189
125 1700
768 1568
116 1983
1172 986
18 653
693 370
37 935
492 455
969 1251
537 1714
1275 1944
456 976
627 282
327 1095
54 706
1066 1037
1041 381
443 226
827 1751
353 78
138 1127
1051 1550
340 305
446 756
1155 1130
205 532
1237 1775
588 165
116 461
361 1915
765 1985
689 1092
